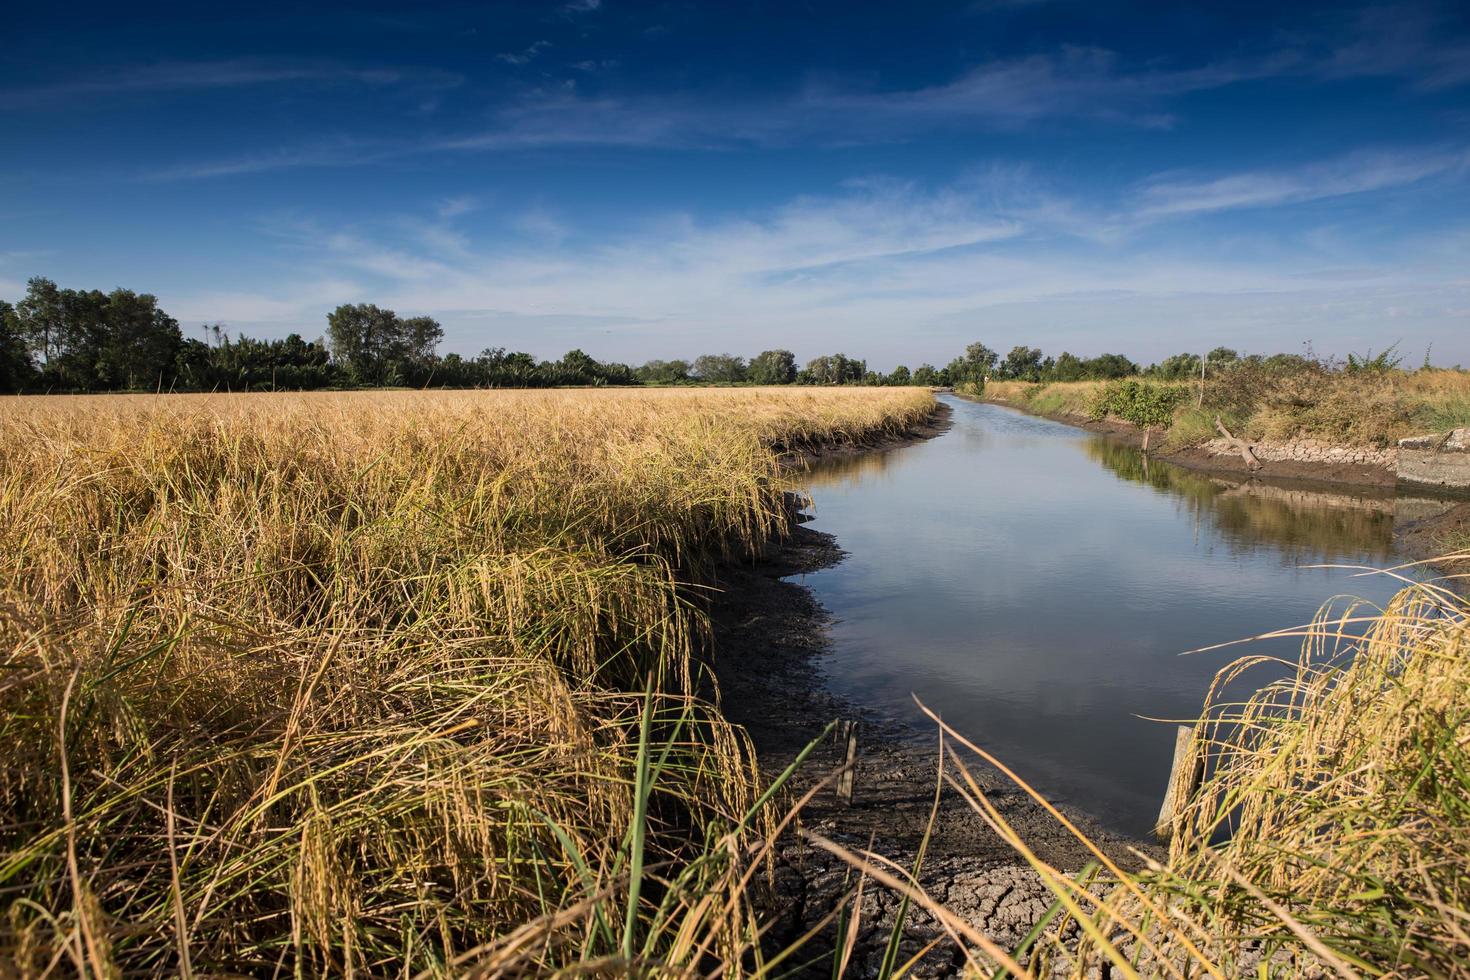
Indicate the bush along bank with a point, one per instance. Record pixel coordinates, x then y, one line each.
1303 421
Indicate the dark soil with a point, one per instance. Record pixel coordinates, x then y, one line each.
1433 538
771 640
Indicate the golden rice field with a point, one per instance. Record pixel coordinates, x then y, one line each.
409 684
382 684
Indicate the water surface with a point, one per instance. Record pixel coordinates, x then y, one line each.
1036 585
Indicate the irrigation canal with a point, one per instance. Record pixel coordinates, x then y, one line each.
1037 584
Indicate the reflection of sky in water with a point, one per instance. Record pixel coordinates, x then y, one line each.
1034 585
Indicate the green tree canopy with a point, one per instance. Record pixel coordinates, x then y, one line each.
377 346
773 367
1022 363
718 368
16 368
832 369
663 372
977 363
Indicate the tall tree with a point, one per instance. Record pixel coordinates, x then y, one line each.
833 369
1069 367
663 372
925 375
976 364
40 317
773 367
578 367
139 342
1110 366
719 368
376 346
16 369
1022 363
420 336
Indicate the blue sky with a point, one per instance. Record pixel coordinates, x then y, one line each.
664 179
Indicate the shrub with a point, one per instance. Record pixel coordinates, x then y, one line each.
1139 402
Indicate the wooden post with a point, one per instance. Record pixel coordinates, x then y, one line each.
1241 446
848 730
1184 778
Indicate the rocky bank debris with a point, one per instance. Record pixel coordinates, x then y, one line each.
1310 451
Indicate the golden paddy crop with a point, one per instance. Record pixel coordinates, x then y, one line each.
381 683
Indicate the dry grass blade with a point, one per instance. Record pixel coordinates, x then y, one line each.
324 684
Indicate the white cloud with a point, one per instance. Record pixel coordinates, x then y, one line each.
298 307
881 268
340 152
524 56
1354 174
453 207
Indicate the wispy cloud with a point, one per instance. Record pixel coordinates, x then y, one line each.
1356 173
524 56
1074 83
185 76
453 207
1401 40
1066 85
340 152
885 267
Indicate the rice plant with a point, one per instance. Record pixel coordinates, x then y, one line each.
383 683
1330 835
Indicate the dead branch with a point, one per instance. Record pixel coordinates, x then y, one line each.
1244 447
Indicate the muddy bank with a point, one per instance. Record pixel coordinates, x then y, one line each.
1434 537
771 639
1423 539
1200 458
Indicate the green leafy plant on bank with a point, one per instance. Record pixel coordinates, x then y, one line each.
1141 403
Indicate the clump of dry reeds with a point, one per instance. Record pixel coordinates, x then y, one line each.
1284 402
1330 835
381 683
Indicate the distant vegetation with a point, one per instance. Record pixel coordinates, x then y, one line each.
70 340
1363 401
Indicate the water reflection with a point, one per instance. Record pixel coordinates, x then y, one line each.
830 470
1036 585
1305 524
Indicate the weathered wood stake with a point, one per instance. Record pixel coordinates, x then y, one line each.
848 730
1241 446
1184 778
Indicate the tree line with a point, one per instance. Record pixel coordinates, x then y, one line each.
72 340
56 339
